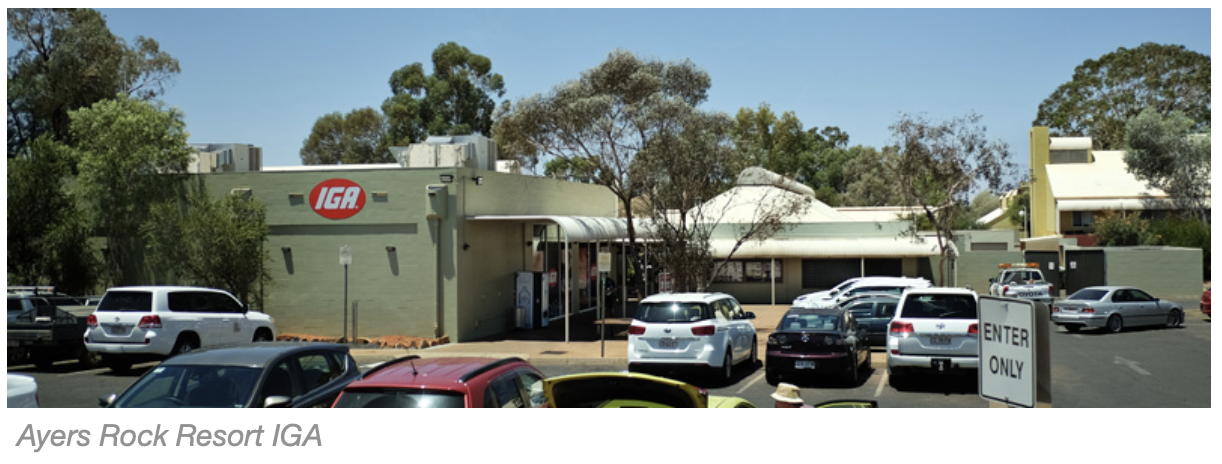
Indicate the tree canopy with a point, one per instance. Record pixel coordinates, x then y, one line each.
129 153
1106 92
814 156
456 99
1166 152
68 59
356 137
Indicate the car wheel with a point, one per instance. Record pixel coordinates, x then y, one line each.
1175 318
185 344
771 377
896 378
1115 324
854 373
43 362
89 359
262 335
1072 328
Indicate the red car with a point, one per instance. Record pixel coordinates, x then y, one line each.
457 382
1205 302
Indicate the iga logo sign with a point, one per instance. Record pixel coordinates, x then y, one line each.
337 198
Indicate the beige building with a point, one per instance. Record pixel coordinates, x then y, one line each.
224 157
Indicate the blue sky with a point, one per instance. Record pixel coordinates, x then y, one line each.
264 76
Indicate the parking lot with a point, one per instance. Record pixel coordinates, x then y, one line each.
1137 368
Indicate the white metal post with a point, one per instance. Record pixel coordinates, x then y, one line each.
568 287
623 280
772 276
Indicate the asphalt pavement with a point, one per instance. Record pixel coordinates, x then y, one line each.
1153 367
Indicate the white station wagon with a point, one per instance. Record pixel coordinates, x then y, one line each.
708 330
133 324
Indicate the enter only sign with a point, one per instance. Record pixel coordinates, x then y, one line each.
1008 351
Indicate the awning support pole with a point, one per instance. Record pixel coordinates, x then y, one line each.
623 280
772 276
568 287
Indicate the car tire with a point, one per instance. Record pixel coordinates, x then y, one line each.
185 344
89 359
1072 328
43 361
896 378
771 377
1175 318
262 335
1115 324
854 374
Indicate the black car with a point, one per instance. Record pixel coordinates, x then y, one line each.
41 332
817 342
874 313
260 375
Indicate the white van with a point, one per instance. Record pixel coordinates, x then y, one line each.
706 330
132 324
859 286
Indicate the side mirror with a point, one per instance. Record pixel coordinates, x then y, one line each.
106 401
992 280
748 315
277 402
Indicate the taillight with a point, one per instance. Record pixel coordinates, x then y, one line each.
703 330
776 339
150 322
1005 289
1088 309
1052 289
91 321
1056 309
901 327
636 330
973 329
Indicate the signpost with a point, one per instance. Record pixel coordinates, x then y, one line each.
345 259
604 265
1013 350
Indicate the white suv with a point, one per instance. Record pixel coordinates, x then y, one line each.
691 329
139 323
933 329
858 286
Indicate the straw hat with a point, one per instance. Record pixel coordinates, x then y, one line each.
787 392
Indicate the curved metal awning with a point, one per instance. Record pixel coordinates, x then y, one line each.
577 228
879 247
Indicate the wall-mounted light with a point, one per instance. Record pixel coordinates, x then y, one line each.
447 178
286 250
479 180
390 249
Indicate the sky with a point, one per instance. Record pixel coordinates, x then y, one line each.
264 76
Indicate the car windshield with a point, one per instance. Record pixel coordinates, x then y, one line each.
1088 295
399 398
809 321
192 387
940 307
673 312
126 301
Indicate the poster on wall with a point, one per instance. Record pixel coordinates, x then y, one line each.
730 272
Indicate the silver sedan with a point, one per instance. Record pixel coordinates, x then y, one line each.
1114 308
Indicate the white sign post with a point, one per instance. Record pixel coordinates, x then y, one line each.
1008 351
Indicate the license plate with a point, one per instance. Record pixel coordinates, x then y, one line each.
118 329
668 343
939 339
803 364
940 364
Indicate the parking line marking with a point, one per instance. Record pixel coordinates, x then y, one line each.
100 369
758 376
882 381
1132 365
1078 336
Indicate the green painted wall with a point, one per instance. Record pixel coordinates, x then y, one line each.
976 267
1165 272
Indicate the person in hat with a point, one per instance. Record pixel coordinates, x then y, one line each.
787 395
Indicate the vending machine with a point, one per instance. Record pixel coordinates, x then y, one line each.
530 300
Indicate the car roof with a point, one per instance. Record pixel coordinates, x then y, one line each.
441 372
940 291
871 281
684 297
164 288
808 310
254 355
1106 287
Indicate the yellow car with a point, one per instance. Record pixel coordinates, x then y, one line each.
631 390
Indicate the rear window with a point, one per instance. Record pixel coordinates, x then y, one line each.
127 301
673 312
398 398
940 307
809 321
1088 294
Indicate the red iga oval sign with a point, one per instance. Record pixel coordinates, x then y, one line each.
337 198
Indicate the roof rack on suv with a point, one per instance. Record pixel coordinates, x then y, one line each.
388 364
488 367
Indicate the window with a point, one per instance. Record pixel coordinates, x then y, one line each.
532 388
1139 295
220 302
731 271
940 307
674 312
810 321
761 271
126 301
504 393
188 301
317 369
860 310
399 398
14 304
1083 219
279 382
721 308
1087 294
886 309
826 273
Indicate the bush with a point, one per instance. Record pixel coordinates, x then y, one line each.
1118 230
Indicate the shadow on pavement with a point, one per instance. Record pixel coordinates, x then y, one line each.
66 367
704 379
1127 330
955 383
828 380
